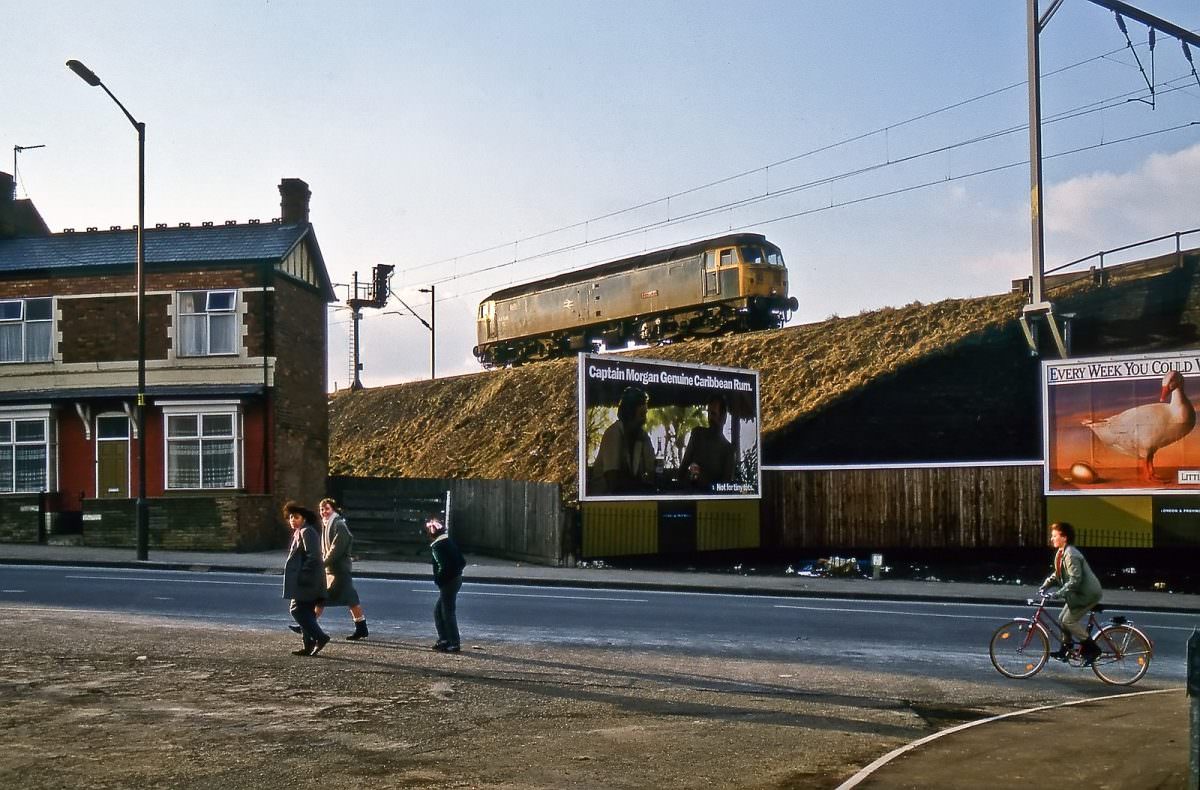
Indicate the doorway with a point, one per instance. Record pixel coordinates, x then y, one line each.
112 456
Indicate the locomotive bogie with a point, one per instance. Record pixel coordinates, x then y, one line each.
727 284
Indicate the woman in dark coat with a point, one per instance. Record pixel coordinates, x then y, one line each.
304 576
336 541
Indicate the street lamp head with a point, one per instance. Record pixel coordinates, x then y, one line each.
428 290
85 74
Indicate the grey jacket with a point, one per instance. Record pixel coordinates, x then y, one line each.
1078 586
303 573
336 541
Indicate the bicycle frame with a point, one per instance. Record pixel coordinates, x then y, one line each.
1123 656
1093 626
1051 624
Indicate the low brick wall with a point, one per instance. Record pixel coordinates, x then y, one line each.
20 517
196 523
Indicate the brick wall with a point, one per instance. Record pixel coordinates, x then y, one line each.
103 329
100 329
301 408
20 517
194 523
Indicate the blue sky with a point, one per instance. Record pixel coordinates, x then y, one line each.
429 132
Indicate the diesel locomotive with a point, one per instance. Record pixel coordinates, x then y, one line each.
730 283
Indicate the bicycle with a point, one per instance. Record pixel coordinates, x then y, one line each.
1020 649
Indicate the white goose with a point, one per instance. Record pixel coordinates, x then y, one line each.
1143 430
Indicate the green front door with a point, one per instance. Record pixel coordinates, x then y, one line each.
112 457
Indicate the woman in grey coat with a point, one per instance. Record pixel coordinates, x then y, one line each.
336 542
304 577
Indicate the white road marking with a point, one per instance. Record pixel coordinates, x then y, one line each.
887 758
12 591
533 595
174 581
883 611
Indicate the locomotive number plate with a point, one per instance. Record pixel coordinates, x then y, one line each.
650 294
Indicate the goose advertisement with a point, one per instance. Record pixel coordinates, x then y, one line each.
651 429
1122 425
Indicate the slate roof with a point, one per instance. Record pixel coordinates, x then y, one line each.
216 244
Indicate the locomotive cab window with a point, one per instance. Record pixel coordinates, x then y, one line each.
775 258
752 255
726 257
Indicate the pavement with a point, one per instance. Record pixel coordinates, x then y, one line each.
1121 739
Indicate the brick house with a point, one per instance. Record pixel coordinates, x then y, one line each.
236 405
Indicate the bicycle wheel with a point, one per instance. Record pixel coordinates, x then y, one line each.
1019 649
1125 655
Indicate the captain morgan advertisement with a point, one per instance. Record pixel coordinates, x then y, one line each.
1122 424
652 429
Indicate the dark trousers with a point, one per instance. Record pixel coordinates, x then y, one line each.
445 611
305 615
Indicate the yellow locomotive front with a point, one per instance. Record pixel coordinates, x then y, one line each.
749 277
761 283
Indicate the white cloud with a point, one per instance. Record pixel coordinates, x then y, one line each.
997 267
1108 209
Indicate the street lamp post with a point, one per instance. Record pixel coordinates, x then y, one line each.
141 515
432 331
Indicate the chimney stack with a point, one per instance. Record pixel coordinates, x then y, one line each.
8 219
293 204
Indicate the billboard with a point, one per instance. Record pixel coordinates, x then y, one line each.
651 429
1122 425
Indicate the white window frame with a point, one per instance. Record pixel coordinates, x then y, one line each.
45 415
208 315
200 409
24 322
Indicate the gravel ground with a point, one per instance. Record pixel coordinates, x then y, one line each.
114 701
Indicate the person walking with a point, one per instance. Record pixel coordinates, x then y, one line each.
448 564
336 542
1078 587
304 577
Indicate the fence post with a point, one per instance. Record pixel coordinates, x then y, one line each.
1193 690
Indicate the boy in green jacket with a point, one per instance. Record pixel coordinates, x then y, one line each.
448 564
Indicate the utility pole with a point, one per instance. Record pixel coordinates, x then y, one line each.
141 507
1038 305
432 325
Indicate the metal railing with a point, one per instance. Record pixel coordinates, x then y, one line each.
1100 255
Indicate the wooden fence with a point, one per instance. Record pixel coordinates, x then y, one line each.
514 519
936 506
969 506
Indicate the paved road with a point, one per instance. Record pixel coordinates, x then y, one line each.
938 630
945 639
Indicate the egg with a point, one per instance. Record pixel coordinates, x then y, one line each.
1082 473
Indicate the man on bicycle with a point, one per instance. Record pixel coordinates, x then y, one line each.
1078 587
